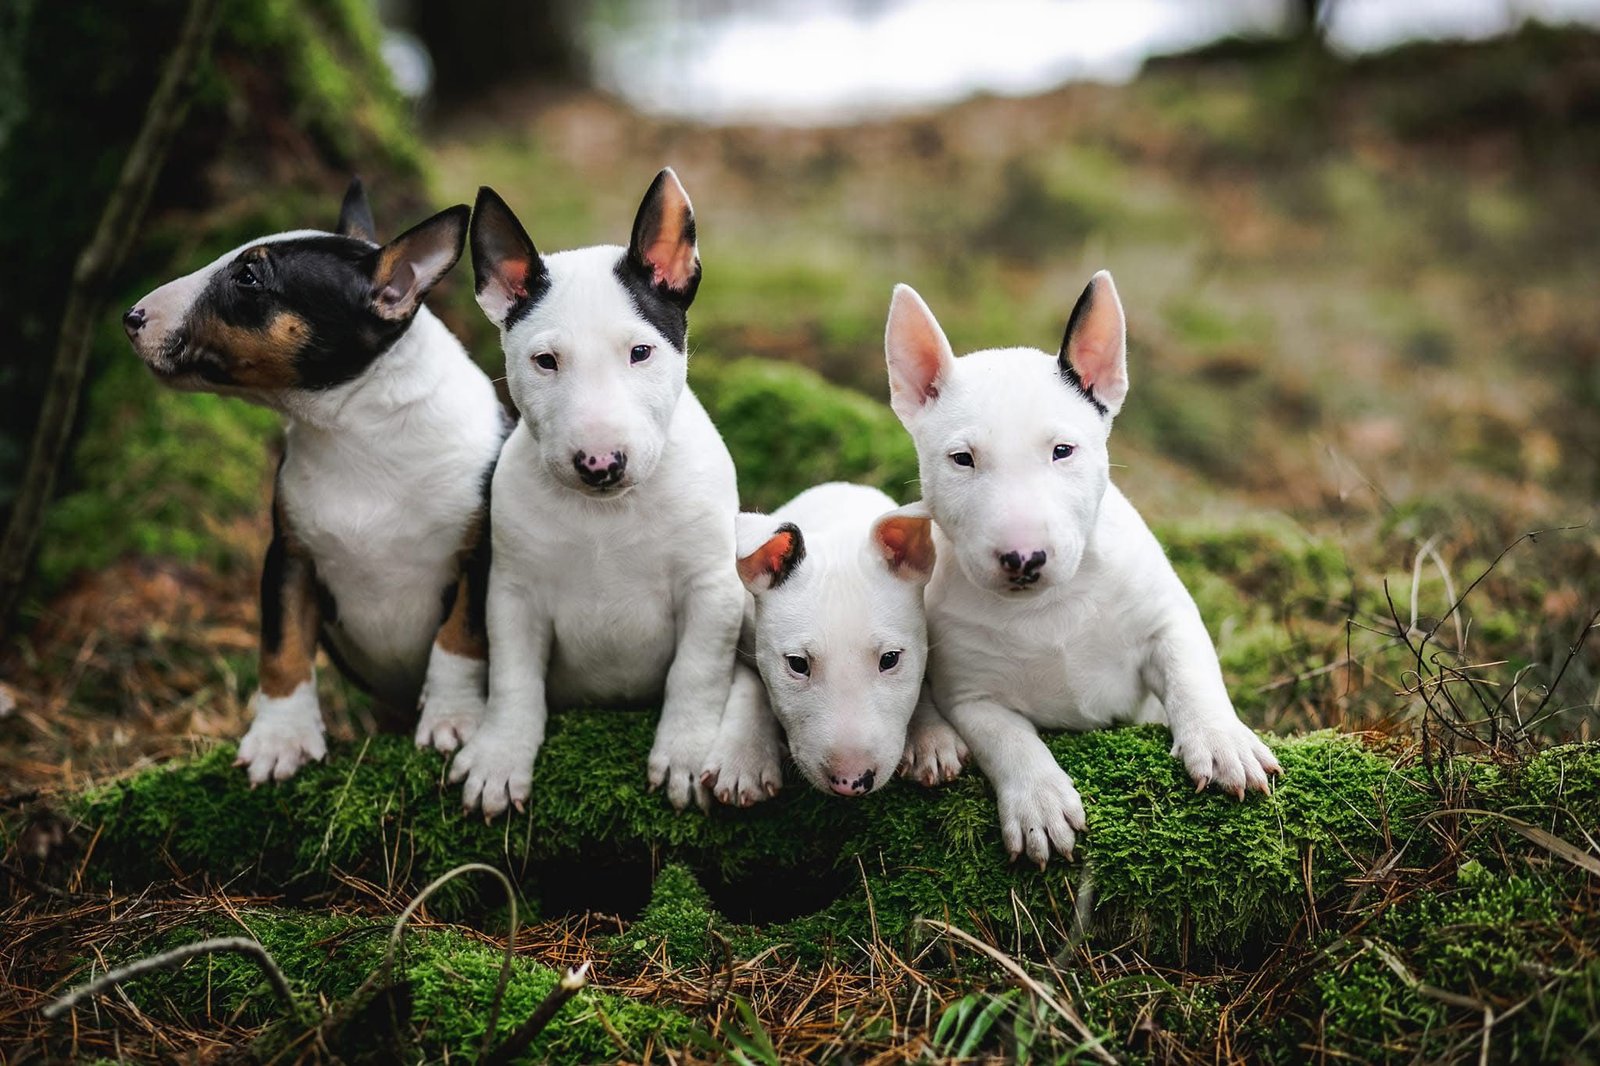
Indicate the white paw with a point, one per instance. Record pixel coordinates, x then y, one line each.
1226 753
676 763
1040 813
496 767
935 752
286 734
744 770
446 724
452 701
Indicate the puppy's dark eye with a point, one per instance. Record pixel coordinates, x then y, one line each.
961 458
640 353
1062 451
544 361
799 664
246 278
888 661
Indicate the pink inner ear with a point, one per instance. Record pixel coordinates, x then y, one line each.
515 273
906 542
671 259
767 559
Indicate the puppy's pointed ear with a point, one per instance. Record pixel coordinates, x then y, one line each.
919 356
767 555
663 251
1094 352
410 265
903 538
355 214
508 273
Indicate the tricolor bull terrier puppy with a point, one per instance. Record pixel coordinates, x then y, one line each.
1052 604
614 501
379 509
836 631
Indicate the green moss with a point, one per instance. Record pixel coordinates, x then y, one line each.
451 976
789 430
1179 871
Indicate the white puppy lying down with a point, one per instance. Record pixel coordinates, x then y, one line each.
836 630
1052 604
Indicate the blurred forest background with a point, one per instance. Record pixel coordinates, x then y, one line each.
1359 263
1359 247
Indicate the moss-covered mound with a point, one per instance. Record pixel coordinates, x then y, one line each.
1179 871
435 1007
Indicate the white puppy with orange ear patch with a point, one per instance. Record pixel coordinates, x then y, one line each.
837 632
1052 603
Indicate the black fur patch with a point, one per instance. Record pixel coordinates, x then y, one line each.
1069 373
273 569
665 310
325 282
796 553
497 234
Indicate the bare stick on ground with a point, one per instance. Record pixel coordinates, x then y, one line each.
169 960
525 1034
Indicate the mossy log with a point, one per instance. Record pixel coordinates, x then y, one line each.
1181 872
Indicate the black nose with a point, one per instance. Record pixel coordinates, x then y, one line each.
600 471
1022 571
133 320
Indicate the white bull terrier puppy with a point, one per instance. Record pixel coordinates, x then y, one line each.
836 629
613 501
1052 604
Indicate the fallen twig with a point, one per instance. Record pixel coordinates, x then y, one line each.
525 1034
171 959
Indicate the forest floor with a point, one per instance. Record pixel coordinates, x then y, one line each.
1364 347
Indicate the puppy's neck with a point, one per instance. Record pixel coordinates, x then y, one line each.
410 371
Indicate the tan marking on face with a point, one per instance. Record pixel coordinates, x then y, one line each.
255 358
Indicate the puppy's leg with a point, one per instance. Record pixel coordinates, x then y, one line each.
698 683
745 764
1040 810
934 751
1216 748
452 699
287 730
496 763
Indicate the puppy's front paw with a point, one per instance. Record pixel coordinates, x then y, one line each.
744 770
452 701
1226 753
935 752
286 734
677 763
1039 814
497 771
446 724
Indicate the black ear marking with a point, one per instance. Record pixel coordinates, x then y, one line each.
1069 373
772 564
509 276
355 214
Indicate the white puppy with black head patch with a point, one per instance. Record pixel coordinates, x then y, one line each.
379 509
837 633
614 501
1052 604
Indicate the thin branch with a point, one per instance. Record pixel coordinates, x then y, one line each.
526 1033
168 960
86 298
